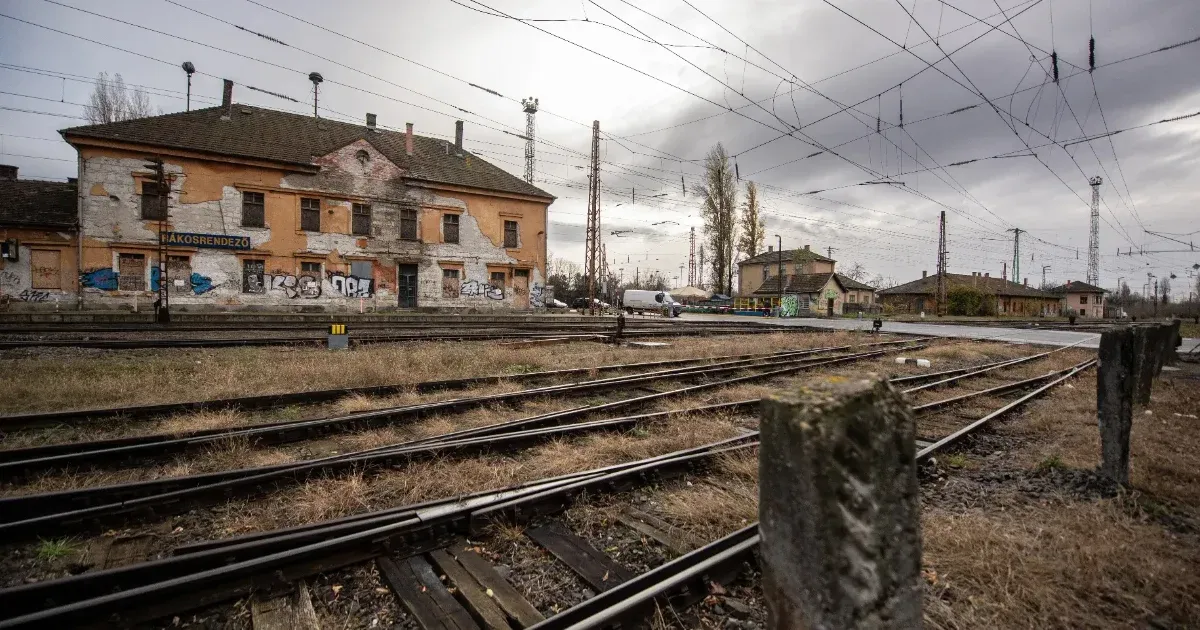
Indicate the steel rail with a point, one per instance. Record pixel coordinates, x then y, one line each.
21 461
557 323
36 513
999 389
410 536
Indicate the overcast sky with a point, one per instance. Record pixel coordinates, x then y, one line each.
783 61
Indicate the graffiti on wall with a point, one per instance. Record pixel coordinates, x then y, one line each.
475 288
540 294
9 279
293 287
105 279
350 286
31 295
790 307
201 284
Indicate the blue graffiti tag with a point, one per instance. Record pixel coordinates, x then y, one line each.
105 279
201 284
154 272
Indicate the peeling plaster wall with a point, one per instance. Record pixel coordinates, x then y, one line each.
16 276
206 197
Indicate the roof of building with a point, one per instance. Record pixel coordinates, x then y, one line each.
25 202
272 135
985 284
854 285
788 256
1075 286
798 283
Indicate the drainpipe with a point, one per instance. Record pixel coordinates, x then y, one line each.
79 234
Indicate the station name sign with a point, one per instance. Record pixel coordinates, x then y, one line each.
210 241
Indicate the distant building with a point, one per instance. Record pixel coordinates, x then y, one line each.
756 270
998 296
806 294
38 224
1084 299
858 293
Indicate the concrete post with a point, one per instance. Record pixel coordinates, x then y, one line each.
839 507
1143 351
1116 385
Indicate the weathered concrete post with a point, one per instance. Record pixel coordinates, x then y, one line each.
1143 353
839 507
1117 383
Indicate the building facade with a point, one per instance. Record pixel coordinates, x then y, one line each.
756 270
1081 298
38 248
261 208
996 296
803 295
859 294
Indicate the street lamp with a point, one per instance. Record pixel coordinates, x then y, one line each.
779 244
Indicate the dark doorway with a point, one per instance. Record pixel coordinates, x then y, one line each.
829 307
406 285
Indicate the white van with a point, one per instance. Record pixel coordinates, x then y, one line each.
651 301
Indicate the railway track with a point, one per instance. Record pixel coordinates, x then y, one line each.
210 571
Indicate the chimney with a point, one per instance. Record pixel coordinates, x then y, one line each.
458 133
808 248
8 172
371 121
924 274
770 248
987 275
1026 281
408 138
73 180
227 99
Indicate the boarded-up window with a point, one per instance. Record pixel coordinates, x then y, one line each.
179 271
408 225
497 279
45 268
361 220
450 283
252 276
512 235
154 204
450 228
131 272
310 214
253 209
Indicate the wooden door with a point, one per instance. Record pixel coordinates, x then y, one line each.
829 307
45 266
521 288
406 286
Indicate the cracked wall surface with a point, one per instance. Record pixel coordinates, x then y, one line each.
287 266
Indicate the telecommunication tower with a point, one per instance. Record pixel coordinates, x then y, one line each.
531 106
692 260
1093 271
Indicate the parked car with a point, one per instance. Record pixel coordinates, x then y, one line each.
638 301
582 303
555 304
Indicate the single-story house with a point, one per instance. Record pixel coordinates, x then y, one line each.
1086 300
857 292
805 294
983 294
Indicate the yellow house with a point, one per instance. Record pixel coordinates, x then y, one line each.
756 270
258 207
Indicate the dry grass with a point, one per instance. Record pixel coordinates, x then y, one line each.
75 380
1071 565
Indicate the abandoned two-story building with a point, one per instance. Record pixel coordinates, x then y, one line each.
258 207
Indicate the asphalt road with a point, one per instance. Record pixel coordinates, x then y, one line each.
1013 335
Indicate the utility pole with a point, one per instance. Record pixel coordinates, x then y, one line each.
592 246
700 271
941 266
830 251
1044 268
692 259
1016 266
162 307
681 273
1093 270
531 106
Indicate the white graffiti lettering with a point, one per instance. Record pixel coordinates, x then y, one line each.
350 286
475 288
292 287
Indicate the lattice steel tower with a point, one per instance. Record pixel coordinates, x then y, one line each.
592 246
531 106
692 260
1093 272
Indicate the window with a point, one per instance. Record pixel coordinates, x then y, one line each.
360 223
852 297
252 276
766 272
1083 299
310 269
154 204
179 271
362 269
520 273
46 268
450 228
450 283
310 214
498 279
253 209
131 272
512 235
408 225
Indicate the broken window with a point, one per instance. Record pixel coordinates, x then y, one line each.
252 276
408 225
1083 299
131 272
179 271
310 214
253 209
512 235
362 269
498 279
46 269
450 283
450 228
360 224
154 204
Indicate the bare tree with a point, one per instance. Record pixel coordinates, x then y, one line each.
1164 289
753 229
111 101
720 200
857 272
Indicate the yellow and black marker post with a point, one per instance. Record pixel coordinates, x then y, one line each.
338 338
